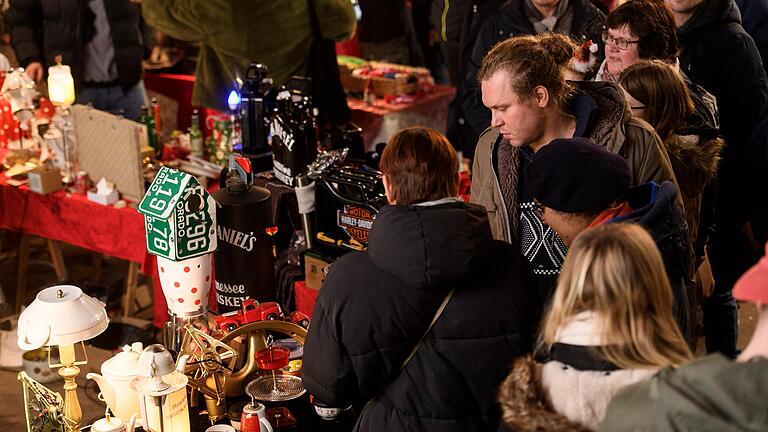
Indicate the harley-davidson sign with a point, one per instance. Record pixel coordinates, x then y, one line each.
356 222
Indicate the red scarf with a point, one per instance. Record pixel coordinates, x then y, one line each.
611 213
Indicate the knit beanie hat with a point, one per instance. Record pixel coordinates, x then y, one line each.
752 286
576 175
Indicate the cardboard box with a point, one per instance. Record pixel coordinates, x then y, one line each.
314 269
43 180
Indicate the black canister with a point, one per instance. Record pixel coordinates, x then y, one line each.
244 260
256 102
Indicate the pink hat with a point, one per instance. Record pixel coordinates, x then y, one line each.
752 286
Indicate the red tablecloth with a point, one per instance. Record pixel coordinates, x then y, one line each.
75 220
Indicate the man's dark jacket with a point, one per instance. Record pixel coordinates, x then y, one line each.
720 56
461 134
43 29
375 305
510 20
754 18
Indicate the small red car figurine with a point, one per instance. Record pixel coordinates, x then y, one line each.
298 318
252 311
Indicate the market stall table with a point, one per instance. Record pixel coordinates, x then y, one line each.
71 218
381 120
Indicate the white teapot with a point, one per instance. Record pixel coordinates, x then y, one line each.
116 374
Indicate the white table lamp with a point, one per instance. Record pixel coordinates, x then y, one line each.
62 315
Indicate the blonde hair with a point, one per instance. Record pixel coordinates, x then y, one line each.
616 271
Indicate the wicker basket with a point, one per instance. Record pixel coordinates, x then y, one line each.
404 80
347 65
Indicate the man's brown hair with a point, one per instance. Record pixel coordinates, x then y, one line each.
420 165
533 61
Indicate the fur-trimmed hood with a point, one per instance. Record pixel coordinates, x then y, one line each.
694 160
523 404
566 395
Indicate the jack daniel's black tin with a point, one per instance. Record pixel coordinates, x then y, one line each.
243 262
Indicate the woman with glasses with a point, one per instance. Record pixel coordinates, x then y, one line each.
657 93
638 29
610 325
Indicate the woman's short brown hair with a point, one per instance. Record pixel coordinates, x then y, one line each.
652 23
420 165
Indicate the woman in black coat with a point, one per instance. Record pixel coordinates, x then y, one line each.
375 305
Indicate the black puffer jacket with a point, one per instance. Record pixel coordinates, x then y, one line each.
375 305
510 20
720 56
43 29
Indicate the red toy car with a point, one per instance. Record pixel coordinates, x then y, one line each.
250 311
298 318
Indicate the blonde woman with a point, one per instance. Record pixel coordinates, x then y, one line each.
610 325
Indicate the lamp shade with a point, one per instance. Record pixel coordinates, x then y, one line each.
61 315
61 85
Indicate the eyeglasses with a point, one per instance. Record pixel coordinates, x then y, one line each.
637 107
620 43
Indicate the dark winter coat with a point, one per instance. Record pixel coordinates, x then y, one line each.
720 56
754 18
754 165
375 305
42 29
588 23
711 393
461 134
655 208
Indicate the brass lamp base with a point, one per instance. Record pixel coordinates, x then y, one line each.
72 408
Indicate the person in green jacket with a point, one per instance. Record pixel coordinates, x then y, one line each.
711 393
234 33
